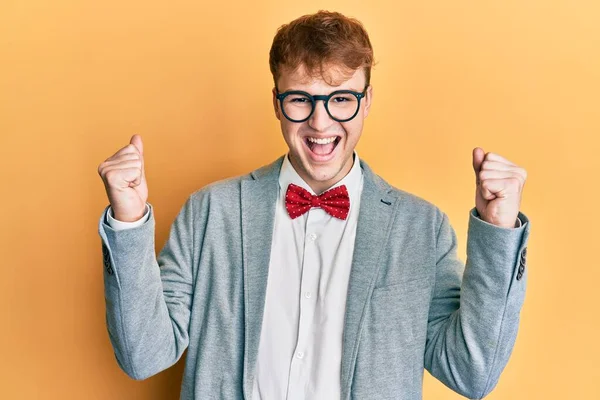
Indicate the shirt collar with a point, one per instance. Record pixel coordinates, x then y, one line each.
352 180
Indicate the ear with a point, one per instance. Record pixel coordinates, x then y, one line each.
367 99
276 104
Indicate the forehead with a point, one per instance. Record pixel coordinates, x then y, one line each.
333 77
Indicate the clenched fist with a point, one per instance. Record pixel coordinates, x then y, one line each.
499 188
125 181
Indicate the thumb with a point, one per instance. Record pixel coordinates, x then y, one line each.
478 156
136 140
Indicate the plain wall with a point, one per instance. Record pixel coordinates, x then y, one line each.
78 78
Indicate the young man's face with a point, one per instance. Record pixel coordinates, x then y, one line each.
322 165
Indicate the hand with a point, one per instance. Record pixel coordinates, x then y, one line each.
499 188
125 181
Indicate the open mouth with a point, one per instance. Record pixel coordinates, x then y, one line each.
322 147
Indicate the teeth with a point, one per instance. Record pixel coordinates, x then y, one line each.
321 141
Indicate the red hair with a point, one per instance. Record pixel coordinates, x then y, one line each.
319 40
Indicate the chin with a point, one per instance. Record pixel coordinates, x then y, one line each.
325 173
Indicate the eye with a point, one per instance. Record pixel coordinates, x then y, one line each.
342 98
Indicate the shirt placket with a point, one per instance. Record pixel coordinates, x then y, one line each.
302 360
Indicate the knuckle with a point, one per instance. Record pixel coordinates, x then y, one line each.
110 175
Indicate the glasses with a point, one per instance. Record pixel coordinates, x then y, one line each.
341 105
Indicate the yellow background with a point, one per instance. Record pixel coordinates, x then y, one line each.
78 78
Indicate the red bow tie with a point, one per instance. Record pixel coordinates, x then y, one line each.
335 202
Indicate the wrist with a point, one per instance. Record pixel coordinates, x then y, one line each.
129 218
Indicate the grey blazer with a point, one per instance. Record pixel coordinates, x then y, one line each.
412 304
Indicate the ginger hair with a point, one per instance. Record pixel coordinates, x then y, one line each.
319 41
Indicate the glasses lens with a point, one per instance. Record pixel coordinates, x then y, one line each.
343 105
297 106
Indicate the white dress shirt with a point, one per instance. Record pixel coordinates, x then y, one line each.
300 349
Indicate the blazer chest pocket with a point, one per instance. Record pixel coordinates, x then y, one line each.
400 309
406 286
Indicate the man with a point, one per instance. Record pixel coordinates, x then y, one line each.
312 277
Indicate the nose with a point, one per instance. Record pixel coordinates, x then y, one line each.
320 119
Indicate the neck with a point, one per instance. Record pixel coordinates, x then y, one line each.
320 186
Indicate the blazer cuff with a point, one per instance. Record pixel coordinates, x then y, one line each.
499 255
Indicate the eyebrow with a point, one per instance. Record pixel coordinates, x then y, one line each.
301 90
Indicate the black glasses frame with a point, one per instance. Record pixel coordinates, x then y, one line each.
325 98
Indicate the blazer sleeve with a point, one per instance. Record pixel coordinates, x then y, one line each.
148 298
474 314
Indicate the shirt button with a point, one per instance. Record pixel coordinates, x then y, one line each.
300 354
308 295
313 236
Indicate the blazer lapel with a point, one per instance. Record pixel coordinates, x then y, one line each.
377 207
258 199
